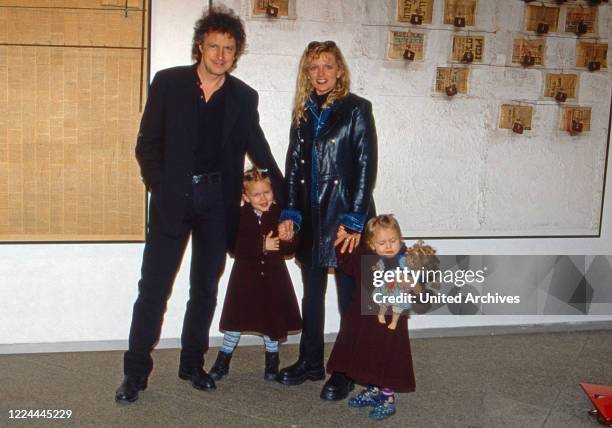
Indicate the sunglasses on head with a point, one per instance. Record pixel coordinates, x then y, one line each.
326 44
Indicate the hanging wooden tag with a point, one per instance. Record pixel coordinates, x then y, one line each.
518 127
416 19
561 96
409 55
272 11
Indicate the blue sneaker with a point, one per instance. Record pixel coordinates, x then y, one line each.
383 410
367 397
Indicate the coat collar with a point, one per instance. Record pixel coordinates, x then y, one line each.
334 117
269 219
337 110
398 260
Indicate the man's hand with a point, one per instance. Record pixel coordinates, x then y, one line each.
270 243
349 240
285 230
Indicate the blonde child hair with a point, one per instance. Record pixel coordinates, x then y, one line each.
254 175
384 221
420 255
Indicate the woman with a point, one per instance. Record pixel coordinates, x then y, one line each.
330 173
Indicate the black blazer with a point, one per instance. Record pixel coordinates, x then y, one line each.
167 139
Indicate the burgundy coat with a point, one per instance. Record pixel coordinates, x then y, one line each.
366 350
260 298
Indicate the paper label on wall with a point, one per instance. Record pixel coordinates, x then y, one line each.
399 41
576 15
571 114
460 9
587 52
446 76
536 15
560 82
463 44
407 8
533 47
510 114
259 6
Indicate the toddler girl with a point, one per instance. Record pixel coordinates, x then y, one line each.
260 298
367 350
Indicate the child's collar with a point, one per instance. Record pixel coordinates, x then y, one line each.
400 258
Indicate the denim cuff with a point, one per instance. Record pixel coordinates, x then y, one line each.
293 215
353 221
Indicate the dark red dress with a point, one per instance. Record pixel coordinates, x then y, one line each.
260 298
366 350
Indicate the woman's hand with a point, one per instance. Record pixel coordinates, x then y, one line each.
285 230
349 240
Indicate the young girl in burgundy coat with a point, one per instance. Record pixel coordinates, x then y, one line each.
368 350
260 298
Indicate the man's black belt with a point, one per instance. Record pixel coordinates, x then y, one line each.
208 178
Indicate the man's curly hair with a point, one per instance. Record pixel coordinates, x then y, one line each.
222 20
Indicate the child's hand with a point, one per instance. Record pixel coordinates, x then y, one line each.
409 283
270 243
417 288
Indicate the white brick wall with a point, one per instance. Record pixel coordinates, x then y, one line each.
445 167
473 179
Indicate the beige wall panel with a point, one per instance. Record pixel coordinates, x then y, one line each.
68 123
108 27
102 4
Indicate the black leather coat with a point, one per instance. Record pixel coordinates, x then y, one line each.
347 158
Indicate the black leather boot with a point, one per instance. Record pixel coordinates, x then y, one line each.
221 366
129 389
272 362
337 387
300 372
198 377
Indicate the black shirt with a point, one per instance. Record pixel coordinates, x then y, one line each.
210 128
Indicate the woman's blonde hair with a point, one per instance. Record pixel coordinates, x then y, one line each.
383 221
303 87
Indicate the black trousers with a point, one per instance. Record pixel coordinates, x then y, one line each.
314 279
204 221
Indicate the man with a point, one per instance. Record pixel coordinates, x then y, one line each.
198 124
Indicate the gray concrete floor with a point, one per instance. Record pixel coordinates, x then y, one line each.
526 380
